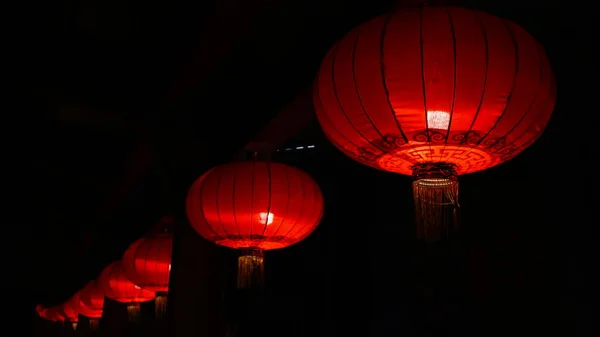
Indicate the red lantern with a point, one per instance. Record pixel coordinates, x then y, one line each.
54 315
147 263
254 206
92 297
41 311
116 286
50 314
91 303
435 92
70 313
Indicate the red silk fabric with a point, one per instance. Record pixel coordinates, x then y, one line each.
255 204
116 286
435 84
147 262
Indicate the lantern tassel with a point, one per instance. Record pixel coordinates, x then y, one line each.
74 325
251 268
133 312
160 305
94 323
435 190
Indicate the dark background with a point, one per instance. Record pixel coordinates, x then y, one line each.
115 107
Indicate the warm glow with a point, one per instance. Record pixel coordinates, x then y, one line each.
256 204
118 287
488 94
265 218
438 120
466 159
147 262
435 182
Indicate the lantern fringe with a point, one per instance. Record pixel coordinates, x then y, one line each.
435 190
94 323
160 305
251 268
134 312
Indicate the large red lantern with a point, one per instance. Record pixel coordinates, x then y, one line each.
435 92
254 206
147 262
90 300
116 286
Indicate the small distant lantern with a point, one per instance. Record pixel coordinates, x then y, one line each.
116 286
91 303
147 262
70 313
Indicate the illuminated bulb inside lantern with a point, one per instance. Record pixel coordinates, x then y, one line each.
438 120
265 218
169 267
136 287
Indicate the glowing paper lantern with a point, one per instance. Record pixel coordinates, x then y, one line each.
116 286
54 315
147 263
70 313
435 92
50 314
254 206
91 303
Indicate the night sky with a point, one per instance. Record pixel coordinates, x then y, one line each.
115 107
